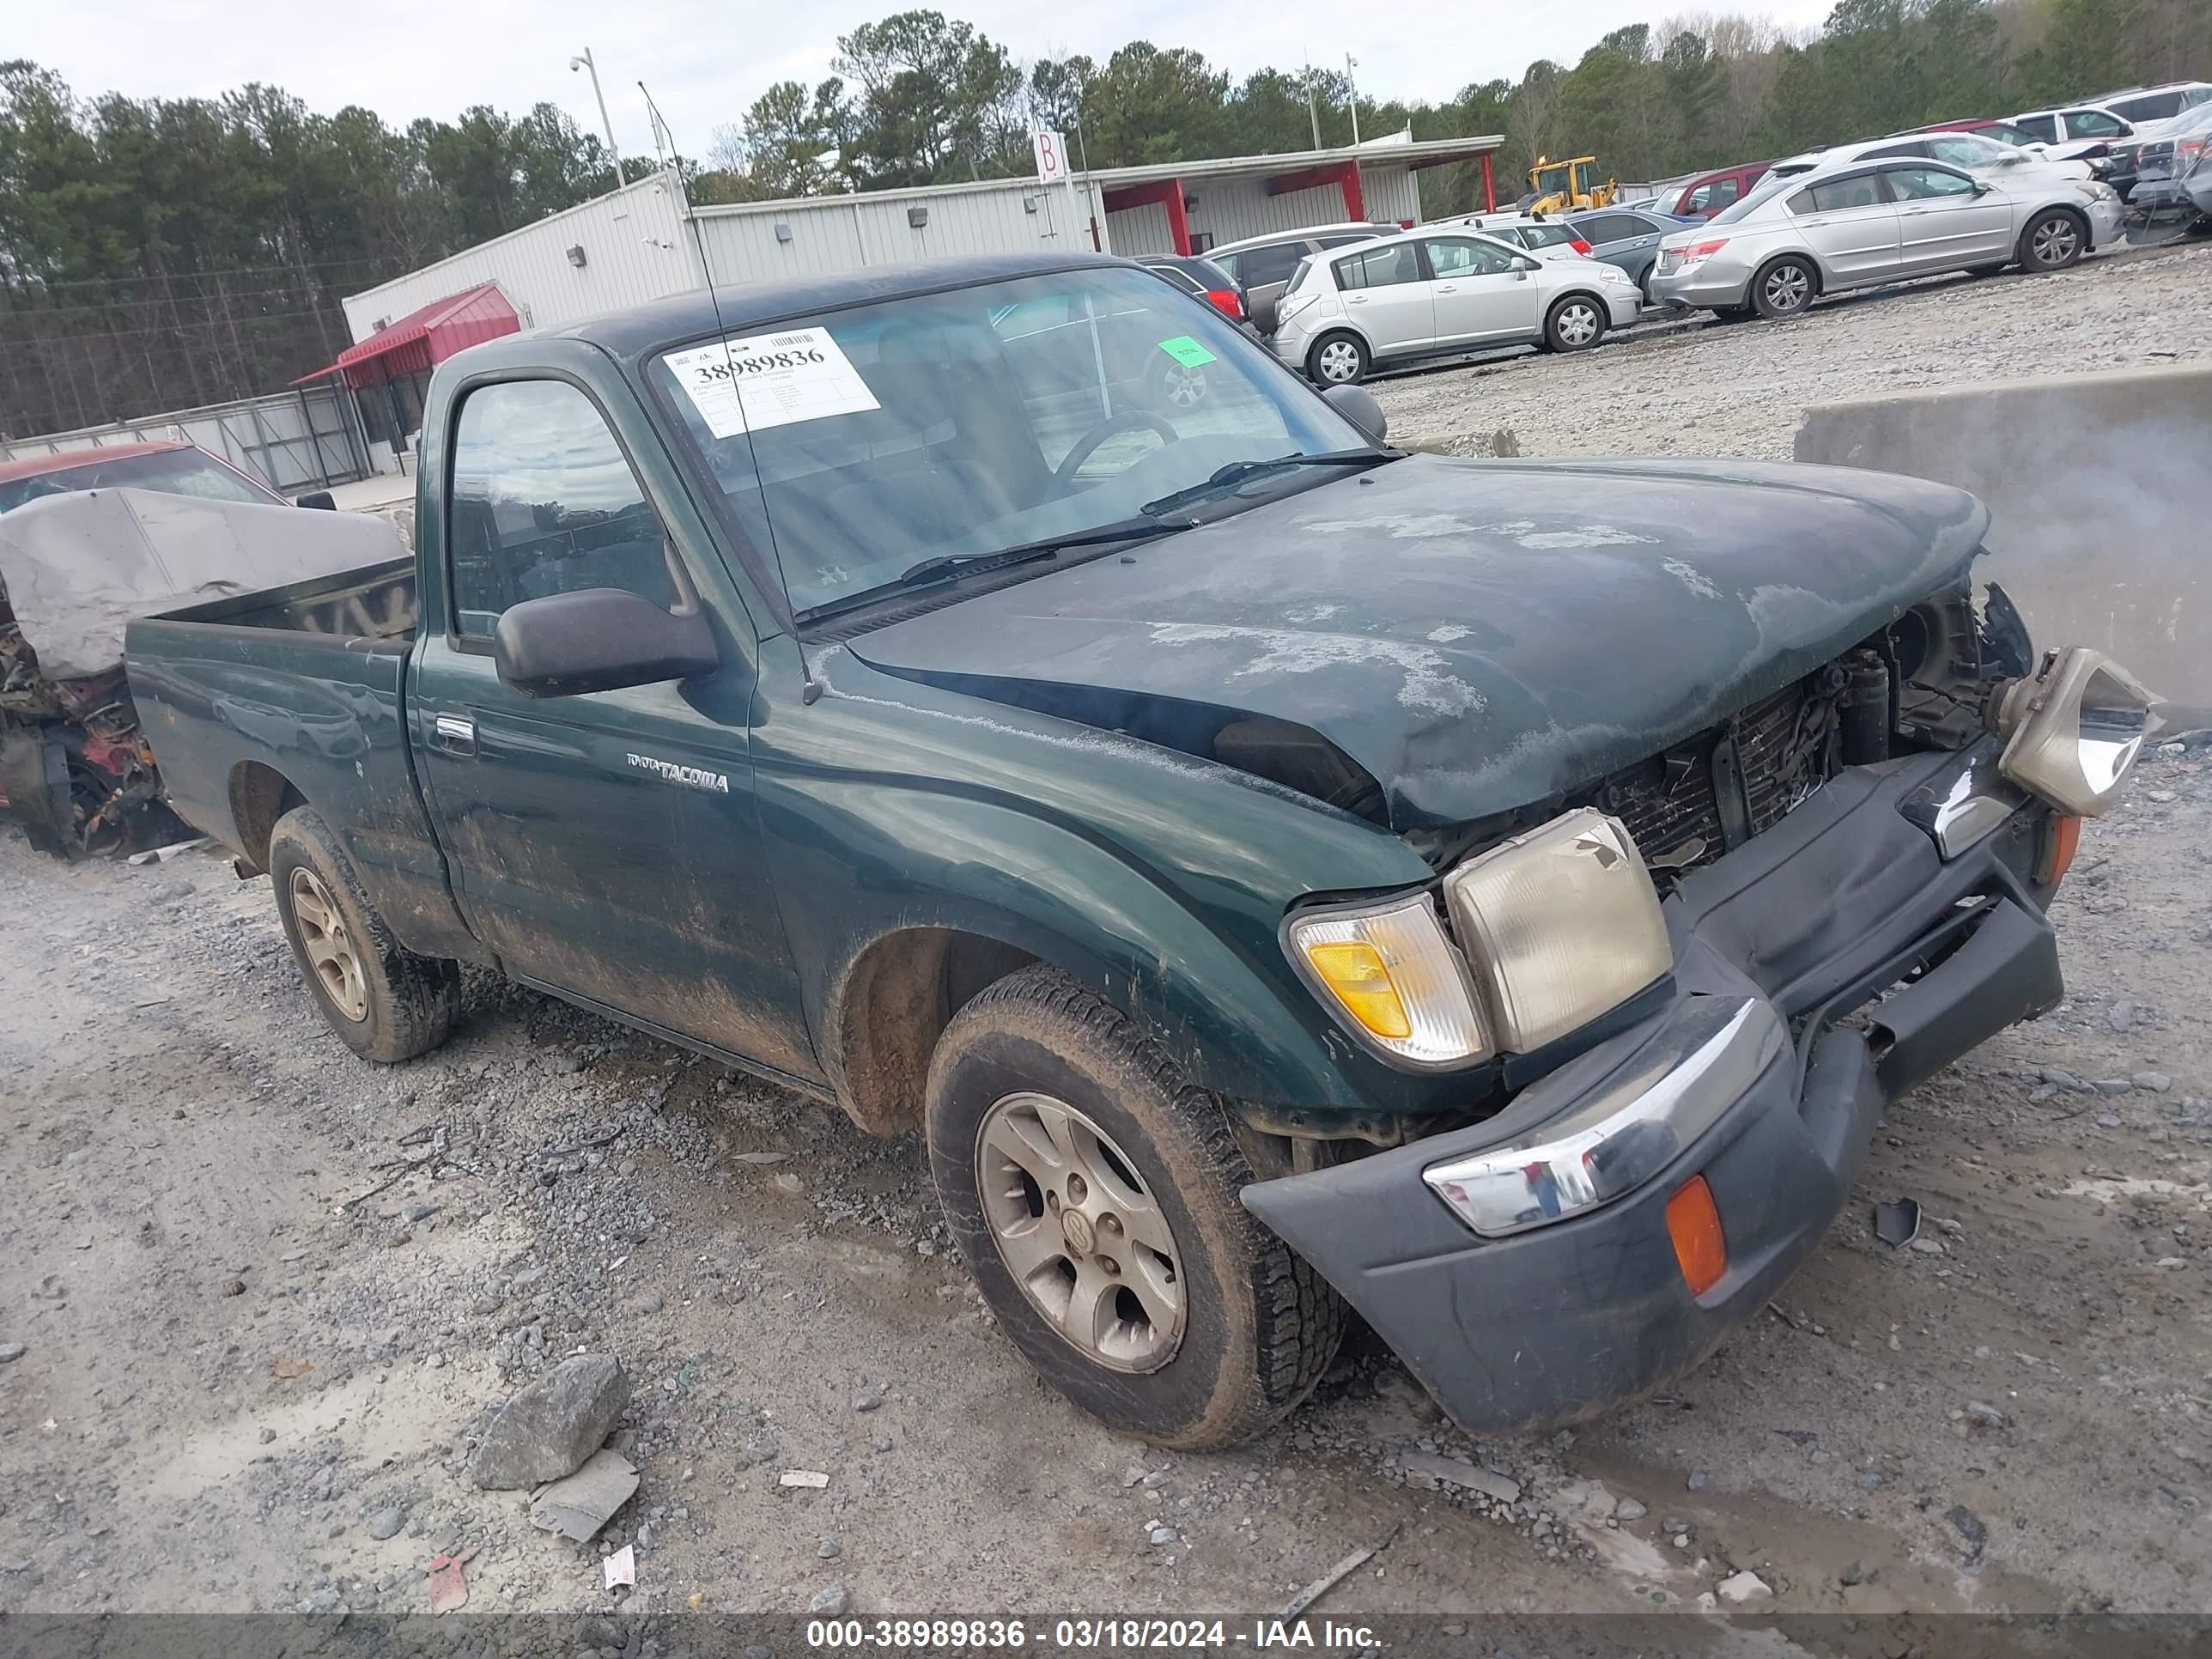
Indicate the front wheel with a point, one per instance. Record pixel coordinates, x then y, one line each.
1092 1188
384 1002
1338 360
1576 324
2052 241
1784 288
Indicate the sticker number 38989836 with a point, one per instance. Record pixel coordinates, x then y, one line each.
770 379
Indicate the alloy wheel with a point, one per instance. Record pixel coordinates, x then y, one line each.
1080 1232
2055 241
329 946
1787 287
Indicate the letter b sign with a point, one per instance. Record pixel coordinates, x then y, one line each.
1051 157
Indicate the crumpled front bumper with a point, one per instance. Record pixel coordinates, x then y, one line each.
1803 925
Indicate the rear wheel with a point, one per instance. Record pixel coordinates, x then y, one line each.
2052 241
1575 324
1092 1188
1338 360
384 1002
1784 288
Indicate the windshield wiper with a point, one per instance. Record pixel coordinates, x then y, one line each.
965 564
1237 472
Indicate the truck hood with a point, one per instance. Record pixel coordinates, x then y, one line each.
1476 634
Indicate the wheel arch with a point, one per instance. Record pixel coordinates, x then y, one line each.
259 795
1804 257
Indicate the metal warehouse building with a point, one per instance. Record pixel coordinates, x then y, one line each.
636 245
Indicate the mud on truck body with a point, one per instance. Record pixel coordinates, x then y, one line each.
1274 872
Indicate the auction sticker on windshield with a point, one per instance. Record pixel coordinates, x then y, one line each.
770 379
1187 351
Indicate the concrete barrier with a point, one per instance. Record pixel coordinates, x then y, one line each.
2100 489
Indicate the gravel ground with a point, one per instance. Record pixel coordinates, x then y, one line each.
1714 388
257 1297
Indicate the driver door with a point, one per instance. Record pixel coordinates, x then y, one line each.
605 844
1479 294
1944 221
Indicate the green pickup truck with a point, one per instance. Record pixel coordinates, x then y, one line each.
1273 872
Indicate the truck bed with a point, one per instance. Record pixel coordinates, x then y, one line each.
305 687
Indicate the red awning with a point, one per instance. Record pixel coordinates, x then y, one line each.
422 339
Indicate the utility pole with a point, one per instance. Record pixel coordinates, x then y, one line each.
585 63
1313 110
1351 96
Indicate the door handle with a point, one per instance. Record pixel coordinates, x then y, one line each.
455 733
1449 288
1355 299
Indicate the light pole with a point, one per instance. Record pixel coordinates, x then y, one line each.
1352 98
585 63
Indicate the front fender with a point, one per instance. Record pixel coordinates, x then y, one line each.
1157 880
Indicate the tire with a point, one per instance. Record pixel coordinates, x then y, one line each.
1338 358
1575 323
1784 288
2053 240
1230 1331
384 1002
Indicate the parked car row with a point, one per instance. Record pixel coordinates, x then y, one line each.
1769 238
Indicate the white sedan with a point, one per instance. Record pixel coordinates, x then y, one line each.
1434 293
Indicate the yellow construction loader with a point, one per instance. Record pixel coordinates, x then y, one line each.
1569 187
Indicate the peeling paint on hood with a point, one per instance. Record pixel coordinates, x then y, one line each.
1480 635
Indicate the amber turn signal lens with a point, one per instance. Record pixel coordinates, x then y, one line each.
2062 839
1695 1226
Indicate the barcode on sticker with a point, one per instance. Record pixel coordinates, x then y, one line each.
792 340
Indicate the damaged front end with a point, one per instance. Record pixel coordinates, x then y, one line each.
1679 1093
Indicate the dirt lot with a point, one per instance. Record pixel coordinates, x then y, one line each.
256 1294
1717 388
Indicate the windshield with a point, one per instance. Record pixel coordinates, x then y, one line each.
1550 179
1765 191
852 447
171 472
1971 149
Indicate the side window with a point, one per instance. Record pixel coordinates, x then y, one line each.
1379 267
2043 128
2151 107
545 501
1916 147
1610 228
1858 190
1927 184
2092 124
1258 266
1454 258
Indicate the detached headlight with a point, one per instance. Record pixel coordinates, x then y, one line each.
1391 975
1607 273
1560 924
2072 731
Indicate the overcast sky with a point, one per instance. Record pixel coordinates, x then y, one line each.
705 62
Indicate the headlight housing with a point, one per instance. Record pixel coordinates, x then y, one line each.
1560 924
2073 731
1392 979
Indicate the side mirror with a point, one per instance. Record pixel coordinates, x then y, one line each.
1982 188
318 498
598 639
1524 264
1357 405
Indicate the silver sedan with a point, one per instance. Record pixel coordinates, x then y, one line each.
1853 224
